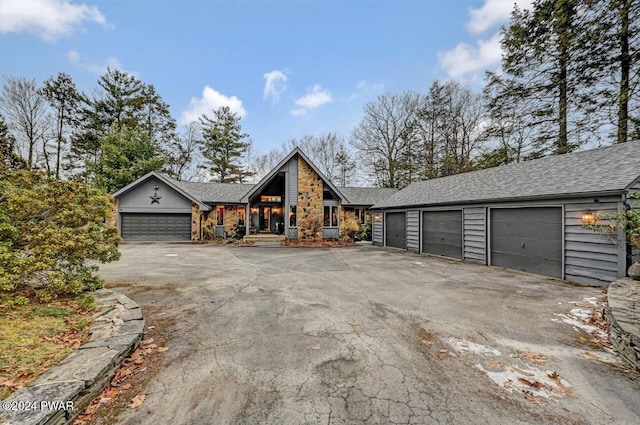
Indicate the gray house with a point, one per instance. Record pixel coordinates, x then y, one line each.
294 200
527 216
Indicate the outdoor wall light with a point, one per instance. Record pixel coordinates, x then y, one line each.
588 218
377 217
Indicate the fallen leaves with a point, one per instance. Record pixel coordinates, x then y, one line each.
16 383
589 356
534 384
121 385
137 401
534 357
354 323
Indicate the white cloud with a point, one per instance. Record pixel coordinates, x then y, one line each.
493 13
367 87
48 19
274 85
211 99
98 68
467 59
315 97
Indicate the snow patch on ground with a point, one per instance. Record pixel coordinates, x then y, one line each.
462 346
533 381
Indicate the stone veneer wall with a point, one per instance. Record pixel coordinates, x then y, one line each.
310 187
230 219
195 222
112 214
622 313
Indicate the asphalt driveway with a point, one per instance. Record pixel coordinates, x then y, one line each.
366 335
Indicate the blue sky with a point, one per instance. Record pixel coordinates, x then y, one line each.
288 67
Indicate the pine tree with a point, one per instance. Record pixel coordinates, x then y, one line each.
545 65
223 145
63 97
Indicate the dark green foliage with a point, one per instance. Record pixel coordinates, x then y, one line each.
127 154
8 155
223 144
49 229
122 101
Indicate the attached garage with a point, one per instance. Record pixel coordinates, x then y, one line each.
396 230
530 216
155 227
527 239
442 233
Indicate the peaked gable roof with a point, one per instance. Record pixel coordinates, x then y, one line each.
173 184
602 170
297 151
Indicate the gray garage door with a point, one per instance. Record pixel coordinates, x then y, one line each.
155 227
396 230
527 239
442 233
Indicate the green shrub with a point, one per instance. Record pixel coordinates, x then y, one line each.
49 230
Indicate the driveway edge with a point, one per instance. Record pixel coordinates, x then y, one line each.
64 391
623 316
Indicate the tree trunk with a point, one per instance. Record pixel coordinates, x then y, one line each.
625 64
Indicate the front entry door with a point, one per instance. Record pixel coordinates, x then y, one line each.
265 218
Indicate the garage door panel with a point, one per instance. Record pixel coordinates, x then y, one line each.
442 233
527 239
532 246
155 227
396 230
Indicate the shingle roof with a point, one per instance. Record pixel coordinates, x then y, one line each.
366 195
600 170
215 192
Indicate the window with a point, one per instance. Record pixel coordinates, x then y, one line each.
271 198
220 214
241 217
330 216
293 219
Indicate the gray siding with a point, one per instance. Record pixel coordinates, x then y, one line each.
138 199
377 230
474 235
292 181
413 231
330 232
590 257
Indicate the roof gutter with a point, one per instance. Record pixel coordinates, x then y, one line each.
503 200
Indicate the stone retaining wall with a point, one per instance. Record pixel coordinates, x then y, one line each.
623 316
79 378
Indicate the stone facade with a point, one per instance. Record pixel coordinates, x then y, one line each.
621 313
310 187
196 217
112 214
231 215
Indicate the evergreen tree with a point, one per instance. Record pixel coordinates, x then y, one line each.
63 97
223 145
8 155
546 74
127 154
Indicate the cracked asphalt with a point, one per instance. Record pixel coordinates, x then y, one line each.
364 335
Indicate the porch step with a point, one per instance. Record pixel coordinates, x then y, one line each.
259 239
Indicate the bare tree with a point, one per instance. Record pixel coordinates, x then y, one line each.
182 162
25 109
384 137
